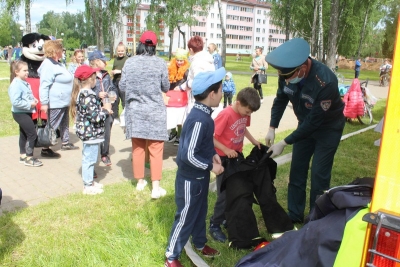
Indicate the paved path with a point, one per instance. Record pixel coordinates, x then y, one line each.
24 186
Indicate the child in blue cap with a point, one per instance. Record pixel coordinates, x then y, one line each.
196 158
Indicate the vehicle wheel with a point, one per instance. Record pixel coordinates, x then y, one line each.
367 117
385 80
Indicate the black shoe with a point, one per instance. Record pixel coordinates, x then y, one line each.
172 136
68 146
217 234
106 160
176 142
48 153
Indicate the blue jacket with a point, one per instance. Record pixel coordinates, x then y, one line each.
196 147
217 60
55 84
228 87
21 96
357 66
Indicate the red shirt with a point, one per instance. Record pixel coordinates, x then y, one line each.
230 128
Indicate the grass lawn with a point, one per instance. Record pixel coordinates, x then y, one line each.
123 227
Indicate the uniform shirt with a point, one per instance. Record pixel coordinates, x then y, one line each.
196 146
230 128
316 102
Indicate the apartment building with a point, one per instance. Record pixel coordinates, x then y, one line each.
247 25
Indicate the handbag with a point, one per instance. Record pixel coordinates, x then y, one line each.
262 78
46 135
177 98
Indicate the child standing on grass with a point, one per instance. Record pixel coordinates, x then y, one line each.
102 87
90 118
196 158
23 105
230 129
228 89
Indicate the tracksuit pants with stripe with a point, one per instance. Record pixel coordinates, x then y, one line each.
190 218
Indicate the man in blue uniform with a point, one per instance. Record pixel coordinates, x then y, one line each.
312 88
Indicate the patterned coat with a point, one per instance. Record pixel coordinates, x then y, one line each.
143 79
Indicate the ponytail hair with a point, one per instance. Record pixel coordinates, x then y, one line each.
78 84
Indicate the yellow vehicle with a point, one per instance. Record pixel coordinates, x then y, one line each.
382 239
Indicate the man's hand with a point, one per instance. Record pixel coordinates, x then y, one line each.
277 148
217 168
270 137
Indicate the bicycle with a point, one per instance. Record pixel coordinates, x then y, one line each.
367 117
384 79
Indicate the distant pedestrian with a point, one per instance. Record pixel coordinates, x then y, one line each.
258 65
228 89
118 64
23 104
357 67
212 49
89 119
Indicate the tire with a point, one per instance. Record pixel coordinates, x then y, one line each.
367 117
385 80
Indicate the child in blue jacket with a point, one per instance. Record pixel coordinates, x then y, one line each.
228 89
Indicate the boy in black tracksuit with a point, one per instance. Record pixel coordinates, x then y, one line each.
196 158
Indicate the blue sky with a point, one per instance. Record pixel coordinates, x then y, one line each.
41 7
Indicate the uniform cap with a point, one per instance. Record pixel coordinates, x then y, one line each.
83 72
204 80
96 54
149 38
288 56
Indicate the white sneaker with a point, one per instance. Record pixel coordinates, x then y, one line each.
98 185
261 101
277 235
92 190
141 186
155 194
116 121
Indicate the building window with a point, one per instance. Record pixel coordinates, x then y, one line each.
211 35
259 12
212 25
258 21
263 21
263 31
257 29
212 15
257 39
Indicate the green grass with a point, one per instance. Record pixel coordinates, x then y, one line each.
123 227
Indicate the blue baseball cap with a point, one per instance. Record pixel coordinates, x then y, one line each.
204 80
96 54
288 56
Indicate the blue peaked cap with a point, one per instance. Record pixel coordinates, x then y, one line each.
204 80
289 55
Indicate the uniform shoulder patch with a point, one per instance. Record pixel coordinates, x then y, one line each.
326 104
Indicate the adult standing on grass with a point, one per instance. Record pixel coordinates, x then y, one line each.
312 88
143 80
118 64
23 105
258 65
357 68
212 49
55 93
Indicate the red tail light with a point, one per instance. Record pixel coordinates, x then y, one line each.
384 241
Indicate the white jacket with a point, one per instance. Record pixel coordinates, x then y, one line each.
201 62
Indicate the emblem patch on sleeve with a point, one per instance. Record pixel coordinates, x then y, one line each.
326 104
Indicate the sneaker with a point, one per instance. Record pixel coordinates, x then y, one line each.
22 160
94 175
106 160
68 146
172 136
176 142
98 185
261 101
209 252
33 162
141 186
48 153
116 121
92 190
216 233
174 263
277 235
155 194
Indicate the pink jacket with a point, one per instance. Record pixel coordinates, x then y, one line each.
353 100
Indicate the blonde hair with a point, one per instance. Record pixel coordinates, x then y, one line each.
16 65
93 63
76 52
78 84
52 48
214 47
120 45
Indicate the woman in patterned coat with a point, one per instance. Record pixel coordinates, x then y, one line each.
144 78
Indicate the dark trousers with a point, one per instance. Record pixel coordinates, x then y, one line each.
258 87
228 99
120 98
321 146
27 133
105 146
357 73
219 209
190 217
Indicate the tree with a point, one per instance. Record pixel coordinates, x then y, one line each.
13 5
223 31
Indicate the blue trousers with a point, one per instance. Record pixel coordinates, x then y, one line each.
190 218
321 146
89 159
